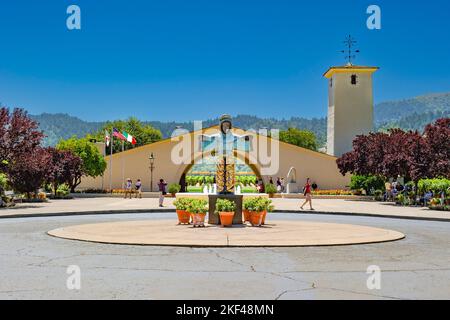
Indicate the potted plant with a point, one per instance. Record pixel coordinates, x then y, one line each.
265 205
247 207
258 208
181 206
270 189
174 188
198 208
225 208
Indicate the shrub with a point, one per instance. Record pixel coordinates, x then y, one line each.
264 204
3 183
174 188
378 195
250 204
224 205
182 203
367 183
258 204
197 206
270 188
435 185
63 190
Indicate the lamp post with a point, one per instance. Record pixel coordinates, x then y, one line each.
152 167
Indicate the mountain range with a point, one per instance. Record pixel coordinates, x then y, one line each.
408 114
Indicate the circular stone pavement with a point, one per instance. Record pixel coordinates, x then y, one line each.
279 233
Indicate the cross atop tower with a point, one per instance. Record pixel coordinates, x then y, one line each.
350 42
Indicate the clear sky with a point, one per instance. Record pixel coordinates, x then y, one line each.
196 59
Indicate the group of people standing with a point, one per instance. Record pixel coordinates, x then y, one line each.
162 186
279 185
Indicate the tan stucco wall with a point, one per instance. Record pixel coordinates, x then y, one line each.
320 167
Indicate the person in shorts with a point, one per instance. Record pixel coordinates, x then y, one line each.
138 187
162 185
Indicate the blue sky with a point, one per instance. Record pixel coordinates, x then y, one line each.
192 59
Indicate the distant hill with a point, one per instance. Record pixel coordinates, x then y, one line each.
407 114
63 126
412 113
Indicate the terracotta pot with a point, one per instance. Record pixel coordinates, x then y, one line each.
198 219
264 217
246 215
183 217
226 218
256 218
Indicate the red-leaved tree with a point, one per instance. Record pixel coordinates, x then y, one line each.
27 173
408 154
19 137
437 136
64 167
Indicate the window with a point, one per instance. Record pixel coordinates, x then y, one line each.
354 79
331 82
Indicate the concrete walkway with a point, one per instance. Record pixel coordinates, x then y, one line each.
118 205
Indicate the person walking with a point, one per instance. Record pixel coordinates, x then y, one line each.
128 186
283 187
162 189
307 194
138 186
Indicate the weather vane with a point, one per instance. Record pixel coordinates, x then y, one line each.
350 52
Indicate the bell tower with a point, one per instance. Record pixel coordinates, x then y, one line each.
350 103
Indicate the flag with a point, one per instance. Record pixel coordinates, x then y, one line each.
117 134
107 138
129 138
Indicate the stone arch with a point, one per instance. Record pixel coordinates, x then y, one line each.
238 154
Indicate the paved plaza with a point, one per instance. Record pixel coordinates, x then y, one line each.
119 205
34 264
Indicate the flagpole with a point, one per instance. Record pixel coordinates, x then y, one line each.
123 166
110 160
103 174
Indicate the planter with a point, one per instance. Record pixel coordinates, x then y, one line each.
256 218
198 219
264 217
246 215
226 218
183 217
271 195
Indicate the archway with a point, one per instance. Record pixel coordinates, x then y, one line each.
202 170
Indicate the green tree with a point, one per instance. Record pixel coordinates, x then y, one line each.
301 138
144 133
368 183
93 163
